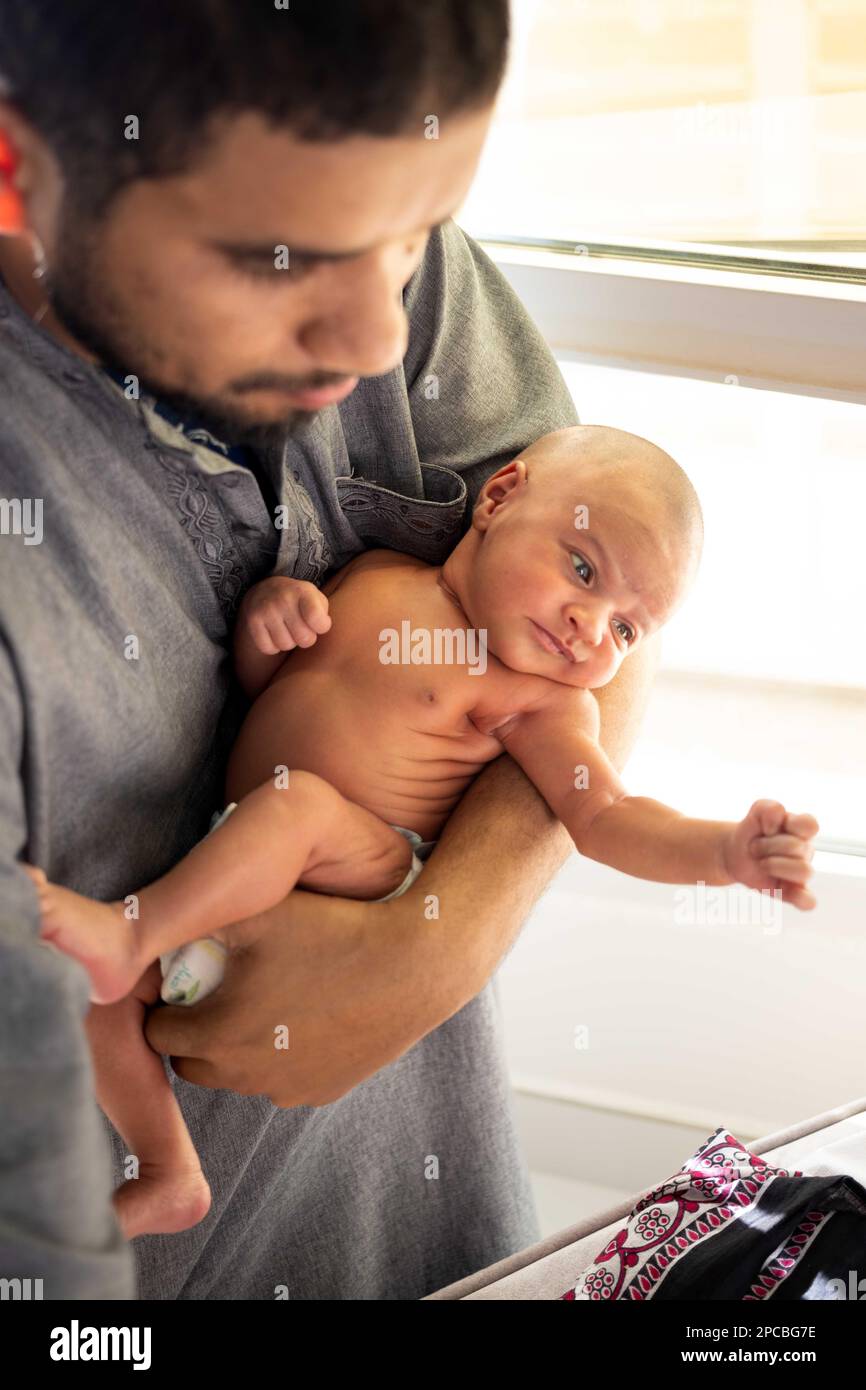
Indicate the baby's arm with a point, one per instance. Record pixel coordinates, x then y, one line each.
275 616
556 744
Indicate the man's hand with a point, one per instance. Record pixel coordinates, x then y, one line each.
772 849
318 995
282 613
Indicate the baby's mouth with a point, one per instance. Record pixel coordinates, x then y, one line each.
550 643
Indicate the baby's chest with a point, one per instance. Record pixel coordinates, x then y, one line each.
441 697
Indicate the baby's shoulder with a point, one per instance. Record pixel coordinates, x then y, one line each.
510 695
504 693
373 565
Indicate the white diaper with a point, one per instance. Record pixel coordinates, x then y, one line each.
194 971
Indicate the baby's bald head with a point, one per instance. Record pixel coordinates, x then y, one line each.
645 480
580 548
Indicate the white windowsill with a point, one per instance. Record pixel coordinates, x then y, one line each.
772 332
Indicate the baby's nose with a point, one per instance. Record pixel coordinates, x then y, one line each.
586 625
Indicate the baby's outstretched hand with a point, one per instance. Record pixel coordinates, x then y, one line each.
282 613
772 848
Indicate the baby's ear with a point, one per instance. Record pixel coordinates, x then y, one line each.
506 482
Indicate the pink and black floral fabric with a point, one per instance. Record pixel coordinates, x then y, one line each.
729 1225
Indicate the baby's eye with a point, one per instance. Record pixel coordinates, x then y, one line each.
628 634
582 565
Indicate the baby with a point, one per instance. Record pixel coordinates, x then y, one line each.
579 550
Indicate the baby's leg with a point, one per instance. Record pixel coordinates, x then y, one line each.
170 1192
243 867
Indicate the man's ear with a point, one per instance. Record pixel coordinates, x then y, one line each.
12 219
25 158
505 483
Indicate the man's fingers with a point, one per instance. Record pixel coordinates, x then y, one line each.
181 1029
199 1072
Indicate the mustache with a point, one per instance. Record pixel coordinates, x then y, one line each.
278 381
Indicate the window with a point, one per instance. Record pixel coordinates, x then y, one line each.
674 190
762 690
729 129
671 189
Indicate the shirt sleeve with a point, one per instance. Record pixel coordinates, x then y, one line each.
482 382
56 1219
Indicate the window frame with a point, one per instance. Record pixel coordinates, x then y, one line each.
789 333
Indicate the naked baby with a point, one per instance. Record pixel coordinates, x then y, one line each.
579 550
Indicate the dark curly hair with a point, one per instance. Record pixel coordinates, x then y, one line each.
322 69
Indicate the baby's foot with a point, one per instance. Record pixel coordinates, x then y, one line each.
162 1200
96 934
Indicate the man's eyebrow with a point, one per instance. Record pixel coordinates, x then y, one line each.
266 249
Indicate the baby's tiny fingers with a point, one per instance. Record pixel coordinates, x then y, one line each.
314 611
792 846
768 816
802 824
304 636
320 621
799 897
279 637
262 638
792 870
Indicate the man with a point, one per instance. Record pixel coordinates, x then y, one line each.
239 333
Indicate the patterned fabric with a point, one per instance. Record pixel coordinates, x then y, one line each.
730 1225
205 527
375 510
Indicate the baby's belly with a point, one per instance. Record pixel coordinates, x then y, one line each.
406 765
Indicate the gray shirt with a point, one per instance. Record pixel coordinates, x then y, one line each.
117 710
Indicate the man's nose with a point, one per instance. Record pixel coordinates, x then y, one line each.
361 327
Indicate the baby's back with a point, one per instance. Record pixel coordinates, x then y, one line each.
396 737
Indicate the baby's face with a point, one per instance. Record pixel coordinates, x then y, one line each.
572 574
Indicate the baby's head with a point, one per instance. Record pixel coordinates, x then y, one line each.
580 548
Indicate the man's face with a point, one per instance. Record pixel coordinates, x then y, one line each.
178 285
571 574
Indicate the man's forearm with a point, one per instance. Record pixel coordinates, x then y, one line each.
497 854
500 849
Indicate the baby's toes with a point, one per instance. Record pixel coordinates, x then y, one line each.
37 875
51 904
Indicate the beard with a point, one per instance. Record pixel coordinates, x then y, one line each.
96 322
